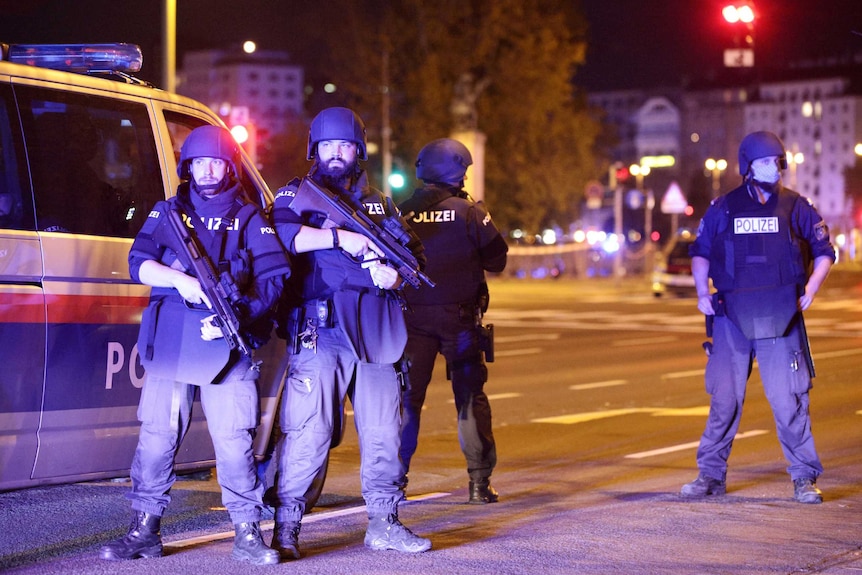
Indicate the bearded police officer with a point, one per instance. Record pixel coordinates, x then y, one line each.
767 252
461 244
348 334
184 351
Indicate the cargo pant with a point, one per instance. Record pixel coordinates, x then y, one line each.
232 409
312 408
450 330
786 383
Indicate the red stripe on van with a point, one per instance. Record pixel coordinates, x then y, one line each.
95 309
22 308
101 309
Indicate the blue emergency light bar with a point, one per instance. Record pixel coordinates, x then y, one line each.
79 58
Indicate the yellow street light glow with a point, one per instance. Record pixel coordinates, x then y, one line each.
658 161
248 47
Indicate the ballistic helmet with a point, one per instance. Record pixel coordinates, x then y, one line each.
760 145
337 124
444 161
209 142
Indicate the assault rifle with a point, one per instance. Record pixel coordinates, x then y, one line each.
391 237
220 289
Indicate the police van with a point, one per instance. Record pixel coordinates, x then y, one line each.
85 151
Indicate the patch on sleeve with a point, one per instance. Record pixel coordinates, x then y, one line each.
821 231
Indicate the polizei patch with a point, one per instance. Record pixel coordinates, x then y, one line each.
755 225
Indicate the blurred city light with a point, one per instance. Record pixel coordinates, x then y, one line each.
397 180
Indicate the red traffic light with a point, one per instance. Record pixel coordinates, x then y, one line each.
742 13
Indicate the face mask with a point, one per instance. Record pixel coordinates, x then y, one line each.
768 174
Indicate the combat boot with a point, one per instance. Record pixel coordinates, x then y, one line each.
144 539
481 493
703 486
249 546
285 539
805 491
386 532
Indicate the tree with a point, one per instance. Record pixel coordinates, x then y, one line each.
521 56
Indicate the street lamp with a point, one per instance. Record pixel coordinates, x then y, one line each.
715 167
639 171
793 160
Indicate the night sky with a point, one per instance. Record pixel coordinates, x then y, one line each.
634 43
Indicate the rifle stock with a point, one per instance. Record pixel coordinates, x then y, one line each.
220 290
391 237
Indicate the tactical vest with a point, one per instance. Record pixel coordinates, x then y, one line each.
441 220
757 263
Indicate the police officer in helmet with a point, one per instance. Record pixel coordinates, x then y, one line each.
346 336
237 238
461 244
767 252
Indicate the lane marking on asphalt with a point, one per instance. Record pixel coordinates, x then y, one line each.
682 374
838 353
692 445
643 341
527 337
311 518
596 415
514 352
598 384
494 396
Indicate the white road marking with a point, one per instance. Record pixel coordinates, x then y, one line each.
598 384
494 397
681 374
527 337
311 518
596 415
514 352
692 445
643 341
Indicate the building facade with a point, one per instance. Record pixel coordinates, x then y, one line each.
262 88
818 117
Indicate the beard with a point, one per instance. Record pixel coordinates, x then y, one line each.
337 176
768 187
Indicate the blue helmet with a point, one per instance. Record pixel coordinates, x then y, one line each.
209 142
444 161
337 124
760 145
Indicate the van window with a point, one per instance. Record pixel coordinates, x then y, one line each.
93 162
180 126
16 201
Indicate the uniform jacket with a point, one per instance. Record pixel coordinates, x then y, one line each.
247 246
759 256
372 319
461 244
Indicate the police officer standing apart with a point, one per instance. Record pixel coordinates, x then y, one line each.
349 334
752 243
461 243
237 237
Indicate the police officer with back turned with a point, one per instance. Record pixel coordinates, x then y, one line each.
183 349
347 335
767 251
461 244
